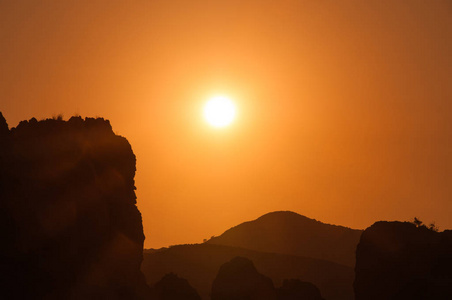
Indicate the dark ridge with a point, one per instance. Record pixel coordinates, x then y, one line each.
199 264
289 233
69 224
287 213
396 260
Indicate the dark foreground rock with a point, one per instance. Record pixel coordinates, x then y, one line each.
69 224
397 260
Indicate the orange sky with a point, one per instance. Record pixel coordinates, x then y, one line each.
345 107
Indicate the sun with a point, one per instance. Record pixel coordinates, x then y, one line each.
219 111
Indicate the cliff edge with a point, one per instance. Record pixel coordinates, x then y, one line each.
396 260
69 223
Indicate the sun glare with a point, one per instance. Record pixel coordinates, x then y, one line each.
219 111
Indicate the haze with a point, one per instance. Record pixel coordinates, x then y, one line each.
345 107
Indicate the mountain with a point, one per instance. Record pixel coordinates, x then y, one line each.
396 260
289 233
69 222
200 264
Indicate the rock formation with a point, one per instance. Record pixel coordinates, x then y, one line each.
238 279
397 260
172 287
69 224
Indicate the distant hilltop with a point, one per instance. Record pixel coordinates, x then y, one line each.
286 232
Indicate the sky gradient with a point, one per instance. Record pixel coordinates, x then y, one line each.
344 107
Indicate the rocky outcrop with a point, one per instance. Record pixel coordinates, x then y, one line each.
397 260
173 287
69 223
238 279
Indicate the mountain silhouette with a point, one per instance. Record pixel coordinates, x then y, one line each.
200 263
289 233
69 223
396 260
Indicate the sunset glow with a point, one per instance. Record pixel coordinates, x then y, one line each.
211 150
219 111
340 111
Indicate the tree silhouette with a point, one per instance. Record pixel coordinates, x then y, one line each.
432 226
417 222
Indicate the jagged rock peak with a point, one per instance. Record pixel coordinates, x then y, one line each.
173 287
4 129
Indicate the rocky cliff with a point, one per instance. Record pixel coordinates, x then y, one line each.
397 260
69 223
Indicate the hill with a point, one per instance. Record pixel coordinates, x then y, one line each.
199 264
289 233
